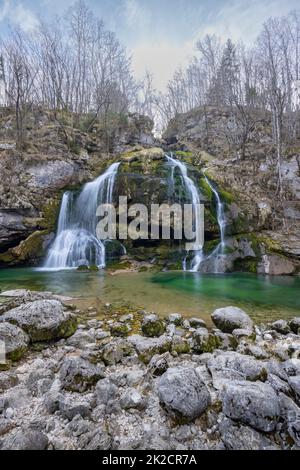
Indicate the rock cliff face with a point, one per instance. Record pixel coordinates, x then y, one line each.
56 157
144 177
262 229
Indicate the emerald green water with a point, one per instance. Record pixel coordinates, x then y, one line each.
192 294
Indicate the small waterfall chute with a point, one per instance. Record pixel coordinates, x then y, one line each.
218 253
220 212
73 248
76 243
195 199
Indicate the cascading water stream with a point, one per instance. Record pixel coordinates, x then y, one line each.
218 253
219 250
76 242
220 213
195 200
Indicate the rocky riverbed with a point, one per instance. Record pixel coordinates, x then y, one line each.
137 381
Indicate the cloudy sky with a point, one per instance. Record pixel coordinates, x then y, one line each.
160 34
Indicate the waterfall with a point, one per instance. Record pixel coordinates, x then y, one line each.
63 214
195 200
220 213
218 252
76 242
199 259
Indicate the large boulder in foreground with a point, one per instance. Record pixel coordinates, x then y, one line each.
231 365
25 439
15 340
42 320
229 319
255 404
183 394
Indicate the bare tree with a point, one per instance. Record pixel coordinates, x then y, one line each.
276 81
20 80
249 82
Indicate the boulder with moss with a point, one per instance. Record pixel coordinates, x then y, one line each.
42 320
152 326
204 341
148 347
15 340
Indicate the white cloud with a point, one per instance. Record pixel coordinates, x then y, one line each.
4 9
235 19
240 20
25 18
19 15
161 59
136 15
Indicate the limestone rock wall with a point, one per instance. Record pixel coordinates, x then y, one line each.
269 226
56 156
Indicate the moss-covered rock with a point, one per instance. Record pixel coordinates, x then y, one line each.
205 342
148 347
83 268
119 265
43 320
249 265
205 189
93 268
15 340
152 326
180 345
29 250
50 211
210 246
228 319
68 327
119 329
79 375
154 153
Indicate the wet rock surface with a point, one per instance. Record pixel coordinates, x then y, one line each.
98 391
